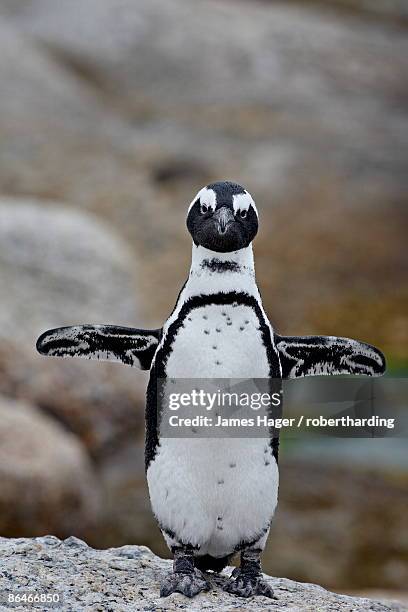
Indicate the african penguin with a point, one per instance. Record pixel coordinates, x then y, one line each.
213 498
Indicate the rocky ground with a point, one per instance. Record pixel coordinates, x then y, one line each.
112 115
128 579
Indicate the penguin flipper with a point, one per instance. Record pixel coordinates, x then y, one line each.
327 355
133 347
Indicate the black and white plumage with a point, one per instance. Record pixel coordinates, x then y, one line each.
133 347
212 498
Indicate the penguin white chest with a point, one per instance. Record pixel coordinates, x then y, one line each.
219 341
211 492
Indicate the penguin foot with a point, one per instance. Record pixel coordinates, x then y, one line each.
189 584
244 585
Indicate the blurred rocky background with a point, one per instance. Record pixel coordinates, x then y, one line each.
113 113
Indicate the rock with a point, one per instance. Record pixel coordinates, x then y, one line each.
278 42
296 91
47 481
297 79
128 579
395 11
60 266
63 267
63 142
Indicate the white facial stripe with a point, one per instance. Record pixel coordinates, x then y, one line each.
242 201
207 197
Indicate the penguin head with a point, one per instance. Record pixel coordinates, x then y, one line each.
222 217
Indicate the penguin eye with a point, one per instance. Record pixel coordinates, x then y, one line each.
243 214
204 209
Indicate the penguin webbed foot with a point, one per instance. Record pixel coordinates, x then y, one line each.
247 580
185 577
244 585
189 584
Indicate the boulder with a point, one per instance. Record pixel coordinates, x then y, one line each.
128 579
62 267
64 143
292 83
47 481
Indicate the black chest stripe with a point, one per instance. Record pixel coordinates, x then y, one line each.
218 299
159 368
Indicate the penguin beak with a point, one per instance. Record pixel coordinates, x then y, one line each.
223 217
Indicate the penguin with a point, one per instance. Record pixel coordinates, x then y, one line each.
214 498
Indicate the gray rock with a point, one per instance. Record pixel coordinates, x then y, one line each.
294 78
63 141
47 480
128 578
61 267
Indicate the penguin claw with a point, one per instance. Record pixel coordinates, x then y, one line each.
189 584
246 586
